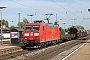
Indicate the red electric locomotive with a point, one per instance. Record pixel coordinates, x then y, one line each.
40 34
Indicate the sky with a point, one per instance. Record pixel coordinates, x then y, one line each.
71 12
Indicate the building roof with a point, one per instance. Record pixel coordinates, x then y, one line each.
18 29
4 28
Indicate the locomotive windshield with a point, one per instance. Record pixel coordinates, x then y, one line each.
32 27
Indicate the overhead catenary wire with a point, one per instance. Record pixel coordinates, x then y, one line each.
75 9
47 6
40 10
82 14
71 6
27 6
37 1
65 9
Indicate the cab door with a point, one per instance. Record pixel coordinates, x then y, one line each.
43 34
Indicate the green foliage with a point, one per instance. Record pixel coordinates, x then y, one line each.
62 31
25 21
12 27
4 22
21 24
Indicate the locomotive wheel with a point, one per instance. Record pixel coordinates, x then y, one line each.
54 42
41 45
45 44
23 47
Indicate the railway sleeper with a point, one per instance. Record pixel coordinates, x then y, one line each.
54 51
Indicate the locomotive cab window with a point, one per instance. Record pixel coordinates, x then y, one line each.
32 28
28 27
36 27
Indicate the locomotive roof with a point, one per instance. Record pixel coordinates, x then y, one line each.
32 24
41 22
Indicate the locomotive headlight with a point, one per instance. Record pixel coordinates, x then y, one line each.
36 34
26 34
25 38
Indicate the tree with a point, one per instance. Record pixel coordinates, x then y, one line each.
61 31
12 27
21 24
25 21
4 22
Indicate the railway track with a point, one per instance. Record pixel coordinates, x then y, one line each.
40 54
12 55
49 53
10 50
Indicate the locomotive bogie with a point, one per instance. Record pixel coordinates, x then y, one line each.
31 43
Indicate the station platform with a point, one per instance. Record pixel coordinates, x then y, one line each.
78 52
82 53
5 41
7 47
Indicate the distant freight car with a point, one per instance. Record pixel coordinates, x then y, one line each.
40 34
74 31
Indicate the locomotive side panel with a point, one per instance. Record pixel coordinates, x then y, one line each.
51 33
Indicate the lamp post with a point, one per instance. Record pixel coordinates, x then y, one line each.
1 7
31 16
60 19
64 24
70 25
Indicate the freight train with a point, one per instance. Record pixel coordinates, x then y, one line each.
41 34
